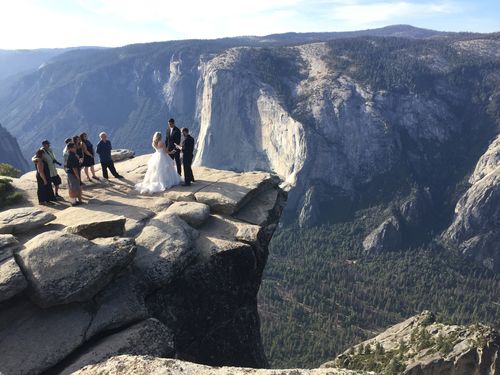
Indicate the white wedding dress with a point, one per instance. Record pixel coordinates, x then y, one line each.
161 174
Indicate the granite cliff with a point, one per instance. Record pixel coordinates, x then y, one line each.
171 275
10 152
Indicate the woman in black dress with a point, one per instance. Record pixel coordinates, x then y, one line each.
88 156
79 153
44 191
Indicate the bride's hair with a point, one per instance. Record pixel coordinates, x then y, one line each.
156 139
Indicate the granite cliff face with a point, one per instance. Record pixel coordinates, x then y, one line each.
10 152
475 228
331 115
308 114
171 275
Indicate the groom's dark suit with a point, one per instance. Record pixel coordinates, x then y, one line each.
187 158
174 136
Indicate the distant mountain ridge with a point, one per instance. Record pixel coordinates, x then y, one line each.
23 61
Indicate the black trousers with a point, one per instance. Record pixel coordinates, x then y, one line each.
188 172
108 164
177 158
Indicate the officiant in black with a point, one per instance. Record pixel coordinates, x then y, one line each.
187 148
174 138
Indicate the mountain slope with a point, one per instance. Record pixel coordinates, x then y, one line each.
10 152
129 90
15 62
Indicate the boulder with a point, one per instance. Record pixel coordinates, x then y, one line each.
90 223
386 237
20 220
63 268
180 196
33 339
165 248
12 280
120 303
193 213
229 194
261 208
149 337
145 365
121 154
7 245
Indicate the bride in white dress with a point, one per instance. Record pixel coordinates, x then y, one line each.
162 173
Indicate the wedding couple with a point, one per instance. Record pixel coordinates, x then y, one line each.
163 172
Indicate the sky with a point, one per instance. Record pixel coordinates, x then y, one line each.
26 24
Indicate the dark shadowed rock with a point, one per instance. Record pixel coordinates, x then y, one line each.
149 337
7 244
12 280
63 268
386 237
416 208
120 303
20 220
34 339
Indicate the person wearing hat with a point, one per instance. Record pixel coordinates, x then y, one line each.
50 159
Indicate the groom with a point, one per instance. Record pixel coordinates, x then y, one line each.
187 149
173 138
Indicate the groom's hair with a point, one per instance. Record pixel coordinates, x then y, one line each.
185 130
171 121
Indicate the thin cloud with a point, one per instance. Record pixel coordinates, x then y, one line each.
53 23
363 14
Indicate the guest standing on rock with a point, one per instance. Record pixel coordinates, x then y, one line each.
187 149
44 187
88 156
104 150
79 153
173 138
67 141
73 172
50 159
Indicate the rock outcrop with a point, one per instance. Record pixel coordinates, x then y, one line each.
121 154
398 230
422 346
178 279
475 228
143 365
386 237
21 220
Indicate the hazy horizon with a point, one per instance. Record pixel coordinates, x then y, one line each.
34 24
